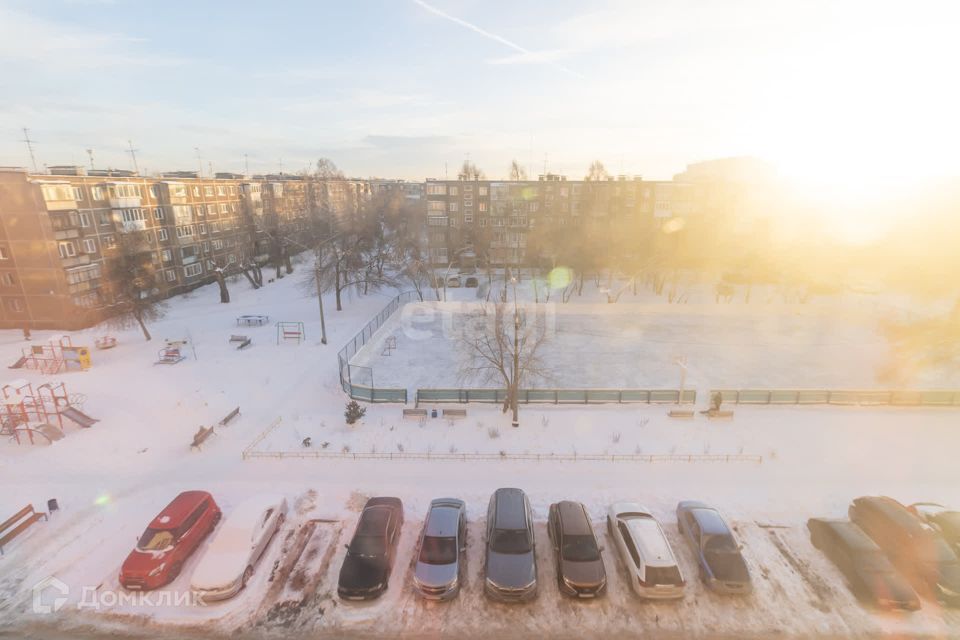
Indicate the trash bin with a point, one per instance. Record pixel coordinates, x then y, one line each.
52 505
433 413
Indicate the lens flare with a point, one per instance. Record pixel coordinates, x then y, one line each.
102 500
559 277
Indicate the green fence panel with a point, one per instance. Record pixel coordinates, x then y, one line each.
635 395
784 396
664 396
689 396
875 397
754 396
571 396
540 395
727 395
602 396
938 398
813 396
844 397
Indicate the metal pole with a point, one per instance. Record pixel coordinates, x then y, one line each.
516 358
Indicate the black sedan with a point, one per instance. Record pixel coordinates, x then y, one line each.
370 554
871 576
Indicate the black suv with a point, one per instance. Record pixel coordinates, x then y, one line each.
511 560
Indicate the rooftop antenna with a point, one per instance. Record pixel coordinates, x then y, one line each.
199 161
90 153
33 158
544 163
210 166
246 165
133 156
281 166
446 171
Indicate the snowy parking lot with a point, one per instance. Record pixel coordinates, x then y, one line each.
110 480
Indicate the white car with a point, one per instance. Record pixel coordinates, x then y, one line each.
240 541
645 551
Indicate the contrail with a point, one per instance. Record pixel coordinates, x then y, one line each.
492 36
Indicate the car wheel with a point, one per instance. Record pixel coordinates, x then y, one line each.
247 573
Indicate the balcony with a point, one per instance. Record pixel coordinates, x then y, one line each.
131 226
124 202
76 261
66 234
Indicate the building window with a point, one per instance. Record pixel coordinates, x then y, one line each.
166 255
177 190
109 241
8 279
153 191
233 190
208 191
89 245
78 193
4 255
84 220
124 191
220 190
192 270
162 234
133 215
468 218
452 191
482 206
185 231
196 192
158 213
436 190
217 245
482 191
96 193
66 249
452 206
223 207
201 228
171 275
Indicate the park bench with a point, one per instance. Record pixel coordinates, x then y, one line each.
18 523
230 416
715 413
455 414
680 413
252 320
236 338
415 413
200 437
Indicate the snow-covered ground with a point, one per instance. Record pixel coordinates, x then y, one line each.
111 479
636 345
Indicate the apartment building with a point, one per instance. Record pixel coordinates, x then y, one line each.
61 230
498 218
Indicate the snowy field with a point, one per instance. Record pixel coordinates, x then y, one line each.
111 479
835 344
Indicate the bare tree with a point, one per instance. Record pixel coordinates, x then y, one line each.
597 171
517 172
502 344
132 292
326 169
470 171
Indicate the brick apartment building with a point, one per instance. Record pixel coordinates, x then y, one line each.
59 231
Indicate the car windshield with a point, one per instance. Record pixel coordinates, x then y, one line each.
437 550
580 548
721 543
368 546
510 541
155 540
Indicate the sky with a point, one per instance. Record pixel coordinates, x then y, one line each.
840 91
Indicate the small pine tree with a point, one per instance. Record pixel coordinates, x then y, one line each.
354 412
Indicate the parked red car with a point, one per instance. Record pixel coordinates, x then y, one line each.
169 540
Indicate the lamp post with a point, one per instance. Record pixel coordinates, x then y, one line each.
516 357
682 363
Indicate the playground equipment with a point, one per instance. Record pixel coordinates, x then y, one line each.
252 320
105 342
389 346
290 331
243 340
59 355
33 415
172 353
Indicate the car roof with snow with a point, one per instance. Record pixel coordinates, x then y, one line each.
247 514
178 509
443 521
852 536
710 521
650 540
895 512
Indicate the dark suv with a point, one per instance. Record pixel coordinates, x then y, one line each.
511 560
580 571
913 546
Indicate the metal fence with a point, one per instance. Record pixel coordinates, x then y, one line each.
369 392
840 397
534 457
559 396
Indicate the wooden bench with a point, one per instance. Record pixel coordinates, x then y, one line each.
18 523
236 338
200 437
246 343
680 413
230 416
712 413
415 413
455 414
